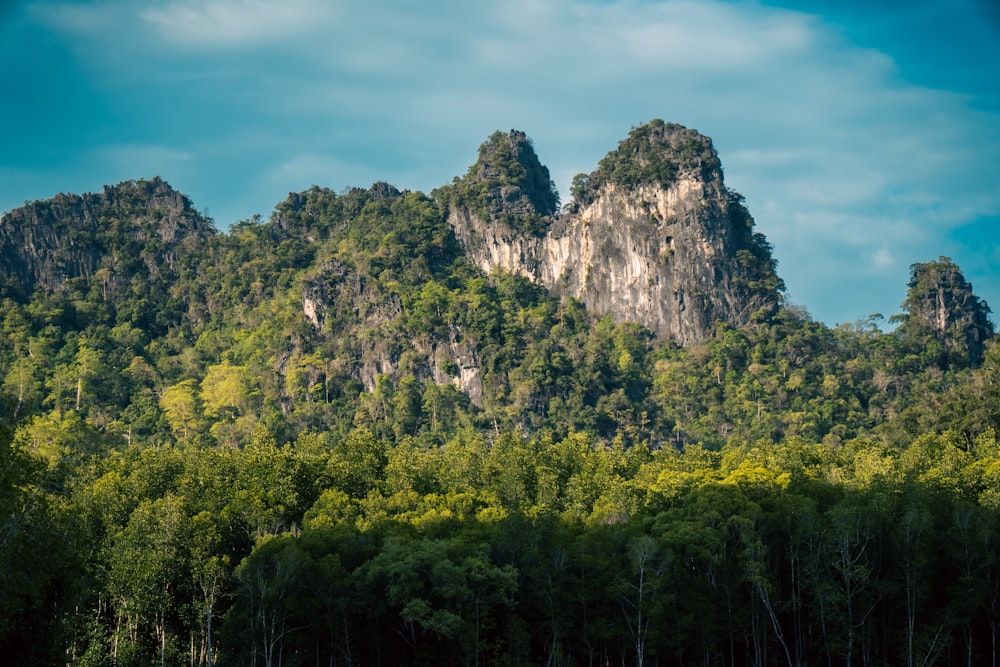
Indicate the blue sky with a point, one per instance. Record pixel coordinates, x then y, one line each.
865 136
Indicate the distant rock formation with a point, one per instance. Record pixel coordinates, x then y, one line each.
940 303
135 227
652 236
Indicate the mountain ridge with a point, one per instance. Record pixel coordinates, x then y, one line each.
366 305
330 437
134 228
652 235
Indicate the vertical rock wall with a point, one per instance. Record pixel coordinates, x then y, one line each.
673 250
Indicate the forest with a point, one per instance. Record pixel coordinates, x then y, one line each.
326 438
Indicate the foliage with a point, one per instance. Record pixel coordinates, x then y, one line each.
529 550
654 153
328 439
507 184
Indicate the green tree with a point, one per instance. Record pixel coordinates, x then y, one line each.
23 384
147 566
268 582
224 393
182 407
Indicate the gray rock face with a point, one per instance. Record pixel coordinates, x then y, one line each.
130 227
459 356
940 302
335 297
652 236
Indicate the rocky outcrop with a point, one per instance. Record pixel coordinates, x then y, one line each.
132 227
508 185
652 236
456 362
940 303
336 300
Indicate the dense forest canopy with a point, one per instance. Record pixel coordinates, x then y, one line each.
327 438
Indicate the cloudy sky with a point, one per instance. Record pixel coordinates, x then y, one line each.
864 135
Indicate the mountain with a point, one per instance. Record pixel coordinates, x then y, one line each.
652 236
133 230
481 306
382 427
941 309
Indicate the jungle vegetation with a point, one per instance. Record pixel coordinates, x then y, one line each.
195 472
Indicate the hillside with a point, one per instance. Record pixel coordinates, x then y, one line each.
386 427
483 303
651 236
131 236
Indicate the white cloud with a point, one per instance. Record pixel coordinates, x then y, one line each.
141 157
883 259
238 22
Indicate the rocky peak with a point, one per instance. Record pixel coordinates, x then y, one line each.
382 190
45 243
652 235
656 154
940 302
316 213
507 185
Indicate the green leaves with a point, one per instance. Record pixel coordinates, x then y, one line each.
484 549
224 393
506 185
182 407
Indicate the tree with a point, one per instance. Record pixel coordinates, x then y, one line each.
23 383
181 404
270 487
357 463
641 590
62 439
40 561
147 565
224 392
442 593
89 364
268 582
210 569
845 585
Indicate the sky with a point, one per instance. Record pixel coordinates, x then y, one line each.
865 136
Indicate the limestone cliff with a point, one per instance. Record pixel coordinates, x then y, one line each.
337 299
366 285
940 304
653 235
133 228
